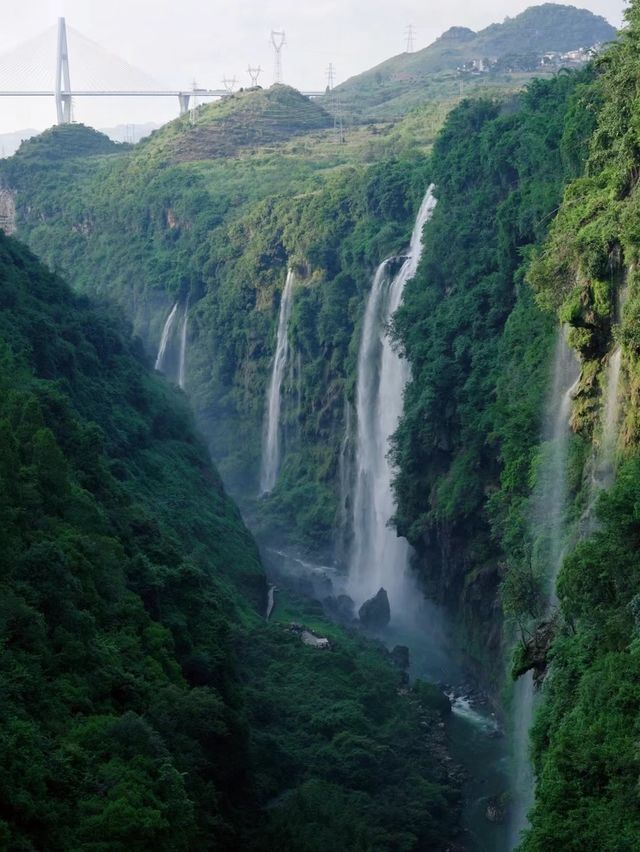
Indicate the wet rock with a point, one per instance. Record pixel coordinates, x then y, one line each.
375 613
341 609
400 657
496 811
533 654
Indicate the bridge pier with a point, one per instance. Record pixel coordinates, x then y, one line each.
184 99
63 80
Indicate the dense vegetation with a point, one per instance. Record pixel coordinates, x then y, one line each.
478 345
584 738
222 233
145 703
504 258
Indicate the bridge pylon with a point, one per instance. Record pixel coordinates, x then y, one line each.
63 78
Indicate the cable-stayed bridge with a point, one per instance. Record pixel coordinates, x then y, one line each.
61 54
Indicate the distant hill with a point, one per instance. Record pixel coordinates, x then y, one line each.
249 118
65 142
491 56
10 142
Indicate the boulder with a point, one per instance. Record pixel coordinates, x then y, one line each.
375 613
496 810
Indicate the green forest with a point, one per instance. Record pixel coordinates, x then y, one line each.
147 701
146 704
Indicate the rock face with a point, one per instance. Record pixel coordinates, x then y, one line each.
496 811
400 657
7 212
376 612
533 655
341 609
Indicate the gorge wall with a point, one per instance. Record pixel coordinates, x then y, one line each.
506 261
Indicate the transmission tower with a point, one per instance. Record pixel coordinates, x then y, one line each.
409 32
63 80
330 77
229 83
254 73
278 42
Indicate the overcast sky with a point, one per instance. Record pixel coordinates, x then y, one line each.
206 40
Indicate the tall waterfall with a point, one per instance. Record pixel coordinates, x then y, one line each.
182 370
549 531
271 439
345 470
165 337
378 556
611 414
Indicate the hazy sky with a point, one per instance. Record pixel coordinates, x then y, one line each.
177 42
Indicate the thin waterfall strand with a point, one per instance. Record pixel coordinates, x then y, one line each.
548 523
182 372
166 335
379 558
611 416
271 440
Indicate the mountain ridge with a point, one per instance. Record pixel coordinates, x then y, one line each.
538 30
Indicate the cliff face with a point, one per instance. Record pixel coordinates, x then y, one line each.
7 212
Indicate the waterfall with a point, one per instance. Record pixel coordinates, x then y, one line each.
549 531
271 439
183 347
345 470
551 491
611 412
164 339
603 462
379 558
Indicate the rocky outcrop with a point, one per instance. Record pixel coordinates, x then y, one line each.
375 613
532 655
340 608
7 212
400 657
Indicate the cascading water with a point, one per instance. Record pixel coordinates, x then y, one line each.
379 558
345 470
182 373
165 337
611 415
271 440
549 532
603 462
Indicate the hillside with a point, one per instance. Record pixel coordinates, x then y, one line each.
251 118
509 53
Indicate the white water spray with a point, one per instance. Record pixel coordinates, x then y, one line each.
379 558
271 440
549 531
182 372
611 414
166 335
